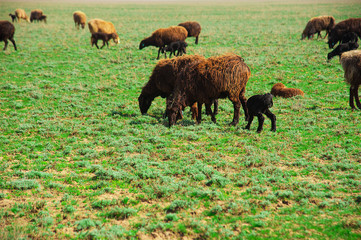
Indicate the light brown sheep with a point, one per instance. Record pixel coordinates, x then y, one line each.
193 29
164 36
20 14
79 19
318 24
280 90
99 25
351 64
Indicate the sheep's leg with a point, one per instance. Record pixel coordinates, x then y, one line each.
236 107
96 44
260 122
196 40
215 109
199 117
12 40
352 105
243 100
6 44
319 35
103 44
357 100
159 52
194 110
273 119
250 119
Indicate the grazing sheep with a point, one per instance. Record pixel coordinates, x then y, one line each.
79 19
318 24
164 36
99 25
36 15
280 90
349 37
205 81
341 48
42 18
351 64
20 14
13 17
161 83
179 46
7 31
257 105
342 28
102 36
193 29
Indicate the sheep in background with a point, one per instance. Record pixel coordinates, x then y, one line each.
79 19
351 64
258 105
341 48
36 15
162 81
164 36
20 14
193 29
179 46
205 81
102 36
280 90
13 17
342 28
99 25
318 24
7 31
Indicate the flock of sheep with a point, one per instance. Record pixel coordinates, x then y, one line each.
193 80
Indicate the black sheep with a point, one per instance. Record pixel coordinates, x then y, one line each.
349 37
257 105
179 46
13 17
7 31
106 37
341 48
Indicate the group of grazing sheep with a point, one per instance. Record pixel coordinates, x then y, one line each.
346 33
35 15
194 80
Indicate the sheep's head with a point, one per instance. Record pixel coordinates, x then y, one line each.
82 25
267 99
142 45
116 38
144 103
174 110
332 40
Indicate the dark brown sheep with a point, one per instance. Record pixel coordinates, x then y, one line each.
258 105
193 29
161 82
36 15
179 47
318 24
351 64
342 28
280 90
13 17
7 31
99 25
164 36
20 14
79 19
106 37
341 48
349 37
203 82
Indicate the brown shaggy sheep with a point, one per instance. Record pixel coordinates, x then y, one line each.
20 14
7 31
161 82
193 28
164 36
203 82
351 64
99 25
280 90
36 15
79 19
342 28
318 24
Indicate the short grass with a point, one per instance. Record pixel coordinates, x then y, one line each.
78 160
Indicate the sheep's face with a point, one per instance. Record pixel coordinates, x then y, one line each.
267 98
144 103
116 38
142 45
82 25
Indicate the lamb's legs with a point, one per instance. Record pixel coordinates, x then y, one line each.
250 119
273 119
357 100
260 122
96 44
103 44
243 100
352 105
236 107
13 41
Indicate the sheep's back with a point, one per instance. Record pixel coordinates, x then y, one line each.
7 30
20 13
193 28
171 34
351 64
99 25
79 16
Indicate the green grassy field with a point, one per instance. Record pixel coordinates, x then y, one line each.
78 160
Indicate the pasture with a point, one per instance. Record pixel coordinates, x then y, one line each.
78 160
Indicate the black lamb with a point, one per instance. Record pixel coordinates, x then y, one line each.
13 17
349 37
341 48
257 105
179 46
